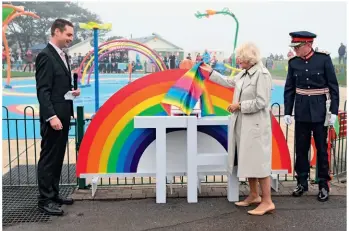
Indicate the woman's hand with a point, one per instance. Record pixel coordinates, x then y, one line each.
206 67
233 107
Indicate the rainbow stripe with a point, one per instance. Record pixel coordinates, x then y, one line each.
186 92
111 144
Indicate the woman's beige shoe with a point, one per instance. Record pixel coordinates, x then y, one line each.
255 212
246 203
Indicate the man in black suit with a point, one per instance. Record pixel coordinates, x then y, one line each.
53 81
172 60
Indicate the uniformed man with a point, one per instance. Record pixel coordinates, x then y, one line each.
312 85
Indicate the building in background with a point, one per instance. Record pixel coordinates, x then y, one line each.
159 44
154 41
83 47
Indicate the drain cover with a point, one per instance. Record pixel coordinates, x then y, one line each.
20 205
26 175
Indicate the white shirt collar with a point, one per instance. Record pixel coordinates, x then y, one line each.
59 51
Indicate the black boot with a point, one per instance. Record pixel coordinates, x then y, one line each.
63 200
299 190
302 186
324 191
51 208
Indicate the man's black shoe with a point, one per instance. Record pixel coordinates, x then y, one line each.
299 190
63 201
51 208
323 195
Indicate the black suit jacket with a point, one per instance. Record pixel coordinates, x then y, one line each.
53 81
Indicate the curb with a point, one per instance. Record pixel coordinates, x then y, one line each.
121 193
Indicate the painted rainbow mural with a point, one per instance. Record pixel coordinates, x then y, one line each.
111 144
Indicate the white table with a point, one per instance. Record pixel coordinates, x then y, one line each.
194 159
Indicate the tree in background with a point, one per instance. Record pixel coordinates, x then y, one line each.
26 32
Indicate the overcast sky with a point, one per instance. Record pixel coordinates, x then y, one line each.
266 23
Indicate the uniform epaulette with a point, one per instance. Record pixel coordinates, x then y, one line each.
292 58
323 52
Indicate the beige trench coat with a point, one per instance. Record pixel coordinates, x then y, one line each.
255 147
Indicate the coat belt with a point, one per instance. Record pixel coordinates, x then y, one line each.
321 91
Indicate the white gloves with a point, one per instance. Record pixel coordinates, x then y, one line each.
287 119
332 120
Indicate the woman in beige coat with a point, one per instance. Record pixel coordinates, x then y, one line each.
251 128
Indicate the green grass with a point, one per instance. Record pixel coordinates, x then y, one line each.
280 73
17 74
342 79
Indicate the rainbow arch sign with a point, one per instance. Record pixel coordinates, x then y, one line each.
111 144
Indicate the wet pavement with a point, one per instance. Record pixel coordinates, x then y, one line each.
304 213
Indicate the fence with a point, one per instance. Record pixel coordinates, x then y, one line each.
21 150
22 145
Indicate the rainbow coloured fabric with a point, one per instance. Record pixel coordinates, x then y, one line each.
186 92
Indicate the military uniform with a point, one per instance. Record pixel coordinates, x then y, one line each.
311 83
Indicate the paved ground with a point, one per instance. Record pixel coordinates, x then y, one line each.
207 190
209 214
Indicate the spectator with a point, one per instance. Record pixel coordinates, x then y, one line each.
29 60
172 59
188 57
230 60
177 60
113 63
341 52
206 57
80 58
213 62
19 62
269 63
166 61
198 58
75 61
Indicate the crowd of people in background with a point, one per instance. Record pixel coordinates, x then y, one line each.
117 61
107 64
20 61
269 62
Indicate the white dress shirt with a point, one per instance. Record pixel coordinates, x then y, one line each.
62 55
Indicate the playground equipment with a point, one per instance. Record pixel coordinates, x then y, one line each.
233 69
138 64
116 45
95 27
225 11
10 12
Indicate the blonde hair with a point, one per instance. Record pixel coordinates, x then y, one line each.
248 52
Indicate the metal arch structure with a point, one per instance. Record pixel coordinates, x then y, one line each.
224 11
125 44
10 12
117 49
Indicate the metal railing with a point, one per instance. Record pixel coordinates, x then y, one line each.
21 145
21 149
